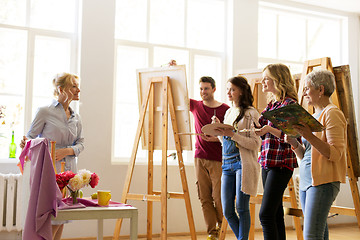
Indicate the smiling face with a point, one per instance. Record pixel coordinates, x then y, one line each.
206 91
72 90
234 93
311 95
268 84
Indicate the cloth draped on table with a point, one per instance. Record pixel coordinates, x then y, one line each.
45 195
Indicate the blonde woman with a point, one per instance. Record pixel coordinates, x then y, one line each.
277 160
58 122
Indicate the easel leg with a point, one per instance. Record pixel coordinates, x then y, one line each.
181 165
252 223
223 228
132 160
299 232
150 189
354 189
164 192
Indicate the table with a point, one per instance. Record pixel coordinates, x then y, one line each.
101 213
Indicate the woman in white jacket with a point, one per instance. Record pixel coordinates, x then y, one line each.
240 149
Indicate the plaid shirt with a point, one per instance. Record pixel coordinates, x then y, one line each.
275 152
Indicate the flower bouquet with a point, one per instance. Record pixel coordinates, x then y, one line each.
74 182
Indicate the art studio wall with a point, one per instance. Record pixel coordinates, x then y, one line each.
96 110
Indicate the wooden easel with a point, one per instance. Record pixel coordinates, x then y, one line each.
344 101
163 195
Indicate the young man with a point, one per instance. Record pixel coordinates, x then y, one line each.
208 155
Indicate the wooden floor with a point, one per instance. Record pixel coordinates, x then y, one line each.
338 232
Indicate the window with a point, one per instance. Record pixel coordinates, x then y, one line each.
150 34
37 40
292 36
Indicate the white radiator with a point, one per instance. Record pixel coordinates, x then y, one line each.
10 202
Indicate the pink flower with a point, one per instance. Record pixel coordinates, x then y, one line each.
94 180
62 179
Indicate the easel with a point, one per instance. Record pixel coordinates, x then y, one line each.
163 195
343 100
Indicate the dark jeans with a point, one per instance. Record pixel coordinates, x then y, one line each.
271 214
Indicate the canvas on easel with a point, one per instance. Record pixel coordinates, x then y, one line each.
177 78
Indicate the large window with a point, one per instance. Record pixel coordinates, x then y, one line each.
150 34
38 38
292 36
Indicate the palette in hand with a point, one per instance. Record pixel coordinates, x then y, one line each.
215 128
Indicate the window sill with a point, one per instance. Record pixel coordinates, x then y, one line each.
9 165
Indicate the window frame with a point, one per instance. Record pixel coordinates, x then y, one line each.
192 83
32 33
306 13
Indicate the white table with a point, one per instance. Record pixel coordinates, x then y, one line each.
101 213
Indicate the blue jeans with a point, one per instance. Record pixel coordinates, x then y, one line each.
230 187
315 204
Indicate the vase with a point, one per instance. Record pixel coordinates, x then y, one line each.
74 195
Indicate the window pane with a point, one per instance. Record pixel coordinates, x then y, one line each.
131 17
292 38
267 34
13 12
13 120
54 14
13 48
52 56
323 40
127 109
162 56
167 22
208 66
206 24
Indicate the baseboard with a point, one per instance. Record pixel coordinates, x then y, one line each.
182 234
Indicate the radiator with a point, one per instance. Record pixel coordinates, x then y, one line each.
10 202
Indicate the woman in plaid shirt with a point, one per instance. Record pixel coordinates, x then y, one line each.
277 160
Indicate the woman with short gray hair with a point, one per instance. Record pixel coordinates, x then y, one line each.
321 171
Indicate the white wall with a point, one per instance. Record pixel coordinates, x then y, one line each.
97 95
97 74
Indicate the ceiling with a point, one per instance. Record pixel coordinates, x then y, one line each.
343 5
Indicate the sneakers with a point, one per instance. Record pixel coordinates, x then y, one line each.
211 237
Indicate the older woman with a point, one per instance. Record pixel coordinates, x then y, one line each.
59 122
323 154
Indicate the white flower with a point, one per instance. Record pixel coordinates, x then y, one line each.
86 176
76 182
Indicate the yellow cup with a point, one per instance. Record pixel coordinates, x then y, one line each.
104 197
